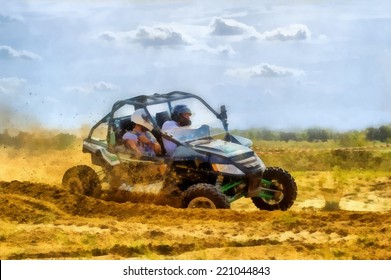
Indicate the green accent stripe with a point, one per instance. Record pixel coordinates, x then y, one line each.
230 186
109 156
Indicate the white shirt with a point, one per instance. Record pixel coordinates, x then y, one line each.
144 149
168 145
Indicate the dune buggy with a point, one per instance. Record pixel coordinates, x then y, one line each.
211 168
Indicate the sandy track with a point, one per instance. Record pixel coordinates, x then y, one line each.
40 221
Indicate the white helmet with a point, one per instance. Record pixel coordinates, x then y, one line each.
140 117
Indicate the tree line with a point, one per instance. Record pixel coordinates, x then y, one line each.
381 134
62 141
59 141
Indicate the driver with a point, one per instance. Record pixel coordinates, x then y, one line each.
140 139
180 117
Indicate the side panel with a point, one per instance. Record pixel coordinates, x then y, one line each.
99 153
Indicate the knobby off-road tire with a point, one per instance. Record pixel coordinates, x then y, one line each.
284 185
204 196
82 179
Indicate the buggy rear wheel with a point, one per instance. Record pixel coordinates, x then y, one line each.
82 179
204 196
282 192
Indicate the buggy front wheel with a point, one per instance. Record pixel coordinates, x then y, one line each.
280 194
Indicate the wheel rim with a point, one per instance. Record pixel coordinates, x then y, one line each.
75 185
278 193
201 202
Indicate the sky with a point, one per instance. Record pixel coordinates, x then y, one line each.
277 64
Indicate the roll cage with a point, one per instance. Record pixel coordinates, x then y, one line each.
143 101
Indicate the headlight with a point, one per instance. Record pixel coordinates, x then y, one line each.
227 168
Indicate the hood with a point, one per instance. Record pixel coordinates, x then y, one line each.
220 147
241 156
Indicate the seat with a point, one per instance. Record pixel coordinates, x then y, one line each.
124 125
162 117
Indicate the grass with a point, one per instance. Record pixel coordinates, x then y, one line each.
323 156
48 166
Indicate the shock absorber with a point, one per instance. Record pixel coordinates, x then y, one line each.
219 181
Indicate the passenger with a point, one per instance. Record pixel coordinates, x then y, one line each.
180 117
140 139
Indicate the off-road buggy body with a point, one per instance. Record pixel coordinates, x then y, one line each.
211 168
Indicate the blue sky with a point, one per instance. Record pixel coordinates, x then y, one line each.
278 64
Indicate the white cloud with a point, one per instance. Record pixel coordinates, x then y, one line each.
89 88
8 52
231 27
108 36
220 50
104 86
158 36
264 70
167 36
148 36
78 89
12 85
291 32
197 38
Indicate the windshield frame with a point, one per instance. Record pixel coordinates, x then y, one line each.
145 101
